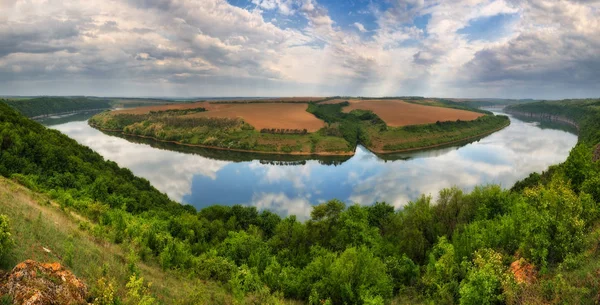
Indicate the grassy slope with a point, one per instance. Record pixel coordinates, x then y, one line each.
38 223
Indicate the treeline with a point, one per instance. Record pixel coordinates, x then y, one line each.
347 125
439 133
584 112
134 122
43 106
178 111
284 131
461 248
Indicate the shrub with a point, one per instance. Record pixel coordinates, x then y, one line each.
6 238
485 280
138 293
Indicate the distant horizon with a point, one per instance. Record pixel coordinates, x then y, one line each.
285 96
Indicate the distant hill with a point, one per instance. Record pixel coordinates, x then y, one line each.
43 106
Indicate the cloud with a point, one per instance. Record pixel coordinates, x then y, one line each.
298 47
283 205
360 27
170 172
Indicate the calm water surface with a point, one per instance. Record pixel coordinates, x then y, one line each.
206 178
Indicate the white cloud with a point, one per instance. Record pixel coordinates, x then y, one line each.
170 172
360 27
283 205
210 47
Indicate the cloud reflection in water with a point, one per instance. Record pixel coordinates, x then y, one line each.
501 158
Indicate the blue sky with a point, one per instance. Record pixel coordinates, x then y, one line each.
187 48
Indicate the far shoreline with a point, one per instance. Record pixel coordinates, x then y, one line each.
296 153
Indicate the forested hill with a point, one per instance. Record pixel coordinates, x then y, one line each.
586 113
535 244
42 106
47 160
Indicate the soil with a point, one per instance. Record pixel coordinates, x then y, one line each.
259 115
398 113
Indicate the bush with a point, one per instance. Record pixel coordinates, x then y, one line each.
212 267
6 238
138 293
403 271
355 276
485 280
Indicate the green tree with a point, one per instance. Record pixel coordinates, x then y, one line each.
442 273
485 280
553 221
353 229
323 225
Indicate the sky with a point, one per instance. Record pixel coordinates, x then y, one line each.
544 49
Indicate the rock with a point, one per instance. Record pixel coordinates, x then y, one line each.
523 271
33 283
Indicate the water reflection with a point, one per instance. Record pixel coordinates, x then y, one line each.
293 186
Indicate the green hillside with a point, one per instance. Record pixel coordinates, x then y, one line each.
54 105
535 244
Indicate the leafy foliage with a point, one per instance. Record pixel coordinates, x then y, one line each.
6 239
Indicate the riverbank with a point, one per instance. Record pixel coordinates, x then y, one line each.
293 153
44 116
324 154
443 144
545 116
192 126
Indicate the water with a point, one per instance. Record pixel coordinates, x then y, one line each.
290 186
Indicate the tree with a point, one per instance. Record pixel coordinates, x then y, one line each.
354 230
357 275
485 280
442 273
323 225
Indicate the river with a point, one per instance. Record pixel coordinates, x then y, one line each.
203 178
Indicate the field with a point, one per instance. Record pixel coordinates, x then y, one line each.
279 115
259 115
397 113
331 126
304 99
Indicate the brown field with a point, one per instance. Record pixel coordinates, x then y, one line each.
260 115
275 115
303 99
398 113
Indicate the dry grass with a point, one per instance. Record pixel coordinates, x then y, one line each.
398 113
